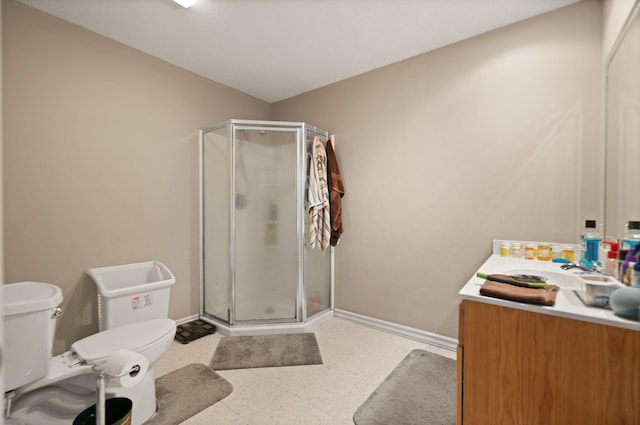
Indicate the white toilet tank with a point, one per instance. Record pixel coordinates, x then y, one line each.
29 310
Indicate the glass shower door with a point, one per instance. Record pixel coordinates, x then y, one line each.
265 224
216 237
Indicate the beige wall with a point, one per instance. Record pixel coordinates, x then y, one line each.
493 137
101 151
615 14
497 136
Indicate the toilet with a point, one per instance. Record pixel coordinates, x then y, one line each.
45 390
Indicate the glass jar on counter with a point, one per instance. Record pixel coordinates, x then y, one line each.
544 251
530 251
568 254
516 249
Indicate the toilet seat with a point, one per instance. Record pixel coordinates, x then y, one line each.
134 337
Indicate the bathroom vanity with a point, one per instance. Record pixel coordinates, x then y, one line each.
526 364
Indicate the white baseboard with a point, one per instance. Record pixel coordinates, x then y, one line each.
271 329
186 319
395 328
382 325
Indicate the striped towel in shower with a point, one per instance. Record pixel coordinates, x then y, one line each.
319 224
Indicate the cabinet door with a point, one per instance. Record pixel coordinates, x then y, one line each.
529 368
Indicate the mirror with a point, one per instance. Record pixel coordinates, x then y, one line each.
622 188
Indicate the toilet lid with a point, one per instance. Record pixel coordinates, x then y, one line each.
134 337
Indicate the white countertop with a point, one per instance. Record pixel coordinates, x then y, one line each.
568 304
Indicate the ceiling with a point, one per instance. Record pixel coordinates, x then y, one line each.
275 49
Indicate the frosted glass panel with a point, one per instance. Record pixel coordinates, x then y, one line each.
266 261
317 264
216 228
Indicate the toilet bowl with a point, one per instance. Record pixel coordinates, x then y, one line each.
54 390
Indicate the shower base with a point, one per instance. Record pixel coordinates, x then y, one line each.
309 325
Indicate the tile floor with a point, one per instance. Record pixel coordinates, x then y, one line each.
356 360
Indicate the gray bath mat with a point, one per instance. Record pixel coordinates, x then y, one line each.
244 352
186 392
421 390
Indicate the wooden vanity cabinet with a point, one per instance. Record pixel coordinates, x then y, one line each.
517 367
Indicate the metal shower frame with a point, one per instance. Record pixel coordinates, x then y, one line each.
302 130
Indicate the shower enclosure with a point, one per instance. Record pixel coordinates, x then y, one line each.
258 275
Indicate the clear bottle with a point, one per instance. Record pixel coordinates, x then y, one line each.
623 263
611 265
556 251
504 249
590 240
626 266
631 235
